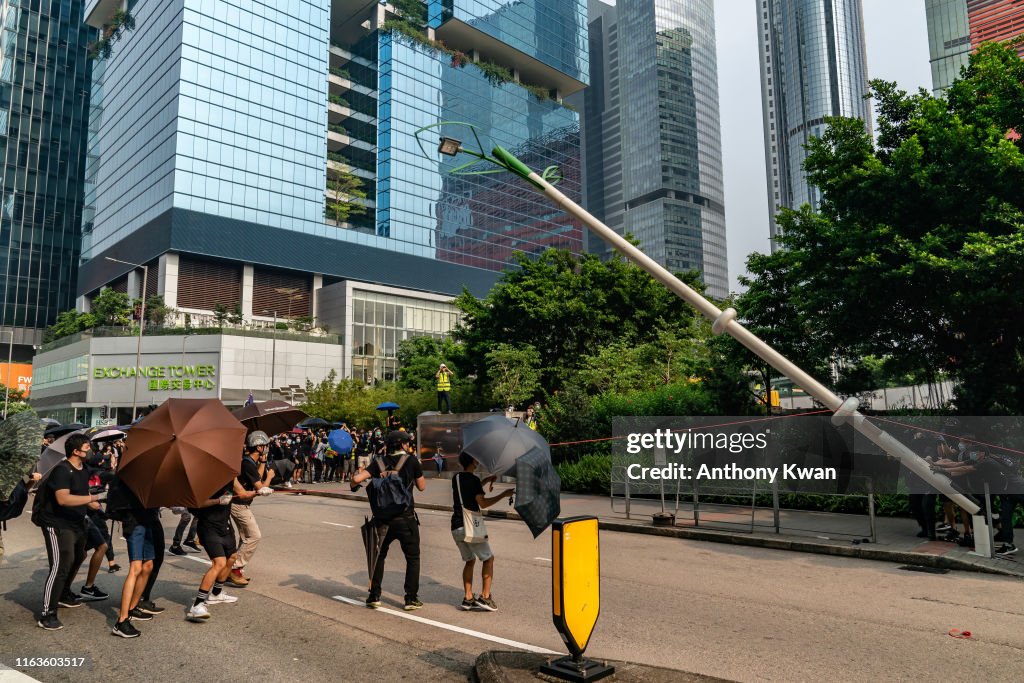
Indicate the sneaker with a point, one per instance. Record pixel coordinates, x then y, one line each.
952 536
70 600
125 629
486 604
138 615
177 550
468 604
287 484
410 605
191 546
223 597
91 593
373 601
197 612
237 578
966 541
1006 549
50 622
939 528
149 607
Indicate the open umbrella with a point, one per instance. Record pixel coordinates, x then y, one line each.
53 454
20 436
340 441
105 434
538 490
373 540
283 470
49 422
182 453
496 442
272 417
61 430
314 422
389 406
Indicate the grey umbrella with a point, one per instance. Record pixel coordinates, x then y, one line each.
53 454
20 436
538 490
497 442
373 540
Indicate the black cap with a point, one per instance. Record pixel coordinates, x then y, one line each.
396 438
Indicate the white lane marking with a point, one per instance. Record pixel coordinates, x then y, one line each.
450 627
14 676
347 526
195 559
543 559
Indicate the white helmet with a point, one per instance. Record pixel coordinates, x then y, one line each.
258 438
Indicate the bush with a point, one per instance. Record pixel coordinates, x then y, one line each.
589 474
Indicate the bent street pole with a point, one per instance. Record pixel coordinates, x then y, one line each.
725 322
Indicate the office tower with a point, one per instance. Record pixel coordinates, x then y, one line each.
813 66
996 20
652 132
235 139
949 40
44 95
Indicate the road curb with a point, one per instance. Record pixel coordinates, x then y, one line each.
862 552
522 667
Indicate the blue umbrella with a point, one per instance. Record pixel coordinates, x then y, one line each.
340 441
388 406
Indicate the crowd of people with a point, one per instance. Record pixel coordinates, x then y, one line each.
80 499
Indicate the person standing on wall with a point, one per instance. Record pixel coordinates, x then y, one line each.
444 387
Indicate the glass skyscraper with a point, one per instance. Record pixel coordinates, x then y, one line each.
44 95
949 40
229 134
653 139
813 66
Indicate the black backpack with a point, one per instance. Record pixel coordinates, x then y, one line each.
41 504
15 503
389 496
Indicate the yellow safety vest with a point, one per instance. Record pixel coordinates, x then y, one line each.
444 382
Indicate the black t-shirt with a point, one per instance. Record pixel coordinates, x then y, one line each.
410 472
249 478
217 517
471 487
65 476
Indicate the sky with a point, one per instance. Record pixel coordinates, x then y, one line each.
896 35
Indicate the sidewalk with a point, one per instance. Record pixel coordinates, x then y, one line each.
801 531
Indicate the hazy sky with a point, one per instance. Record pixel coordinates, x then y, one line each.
897 47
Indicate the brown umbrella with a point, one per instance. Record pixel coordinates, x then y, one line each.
272 417
182 453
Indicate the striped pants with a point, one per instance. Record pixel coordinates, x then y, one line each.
65 550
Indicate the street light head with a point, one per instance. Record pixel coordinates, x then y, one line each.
449 146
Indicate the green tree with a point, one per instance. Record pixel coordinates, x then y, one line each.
112 308
514 373
16 400
220 314
419 358
566 306
157 311
342 191
917 251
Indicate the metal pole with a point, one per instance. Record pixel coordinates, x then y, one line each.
183 340
7 384
138 349
988 521
725 321
273 356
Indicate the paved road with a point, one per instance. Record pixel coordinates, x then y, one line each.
734 612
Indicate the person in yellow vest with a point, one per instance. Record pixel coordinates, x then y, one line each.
444 387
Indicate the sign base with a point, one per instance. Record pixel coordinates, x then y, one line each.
567 669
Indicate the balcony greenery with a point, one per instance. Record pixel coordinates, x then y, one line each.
338 100
103 47
341 73
342 190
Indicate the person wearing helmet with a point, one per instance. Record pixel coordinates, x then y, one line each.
253 480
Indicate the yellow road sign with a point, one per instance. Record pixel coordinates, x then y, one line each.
575 580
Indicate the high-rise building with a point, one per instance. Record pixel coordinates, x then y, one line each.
813 66
652 132
949 40
233 139
995 21
44 96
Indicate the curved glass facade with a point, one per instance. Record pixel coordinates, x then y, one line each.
813 66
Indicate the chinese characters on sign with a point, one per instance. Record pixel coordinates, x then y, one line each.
165 377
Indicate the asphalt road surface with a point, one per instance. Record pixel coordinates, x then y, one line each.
741 613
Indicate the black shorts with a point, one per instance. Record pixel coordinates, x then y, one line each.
94 538
218 543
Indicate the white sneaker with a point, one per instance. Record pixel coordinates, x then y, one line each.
287 484
223 597
197 612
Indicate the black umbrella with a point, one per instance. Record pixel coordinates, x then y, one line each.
497 442
538 490
315 422
50 422
282 470
61 430
373 540
272 417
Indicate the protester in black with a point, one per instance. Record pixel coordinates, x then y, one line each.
218 539
61 514
404 527
137 524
